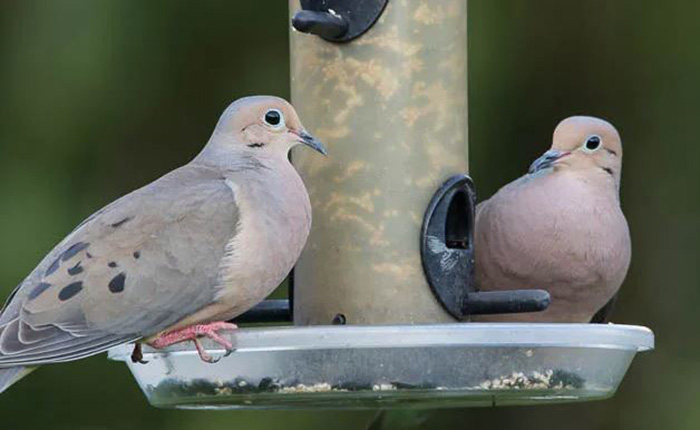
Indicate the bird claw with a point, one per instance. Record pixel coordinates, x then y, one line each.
193 333
137 355
203 354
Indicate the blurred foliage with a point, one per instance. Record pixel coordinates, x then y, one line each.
99 97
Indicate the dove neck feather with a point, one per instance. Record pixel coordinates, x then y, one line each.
218 155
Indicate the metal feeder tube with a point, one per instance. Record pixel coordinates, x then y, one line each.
392 107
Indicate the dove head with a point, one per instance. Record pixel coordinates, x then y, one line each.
584 144
260 126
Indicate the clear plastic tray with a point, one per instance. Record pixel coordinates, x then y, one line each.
356 367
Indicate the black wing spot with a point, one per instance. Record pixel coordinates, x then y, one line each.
112 264
75 269
73 250
609 170
70 290
122 222
256 145
116 285
53 267
137 255
38 290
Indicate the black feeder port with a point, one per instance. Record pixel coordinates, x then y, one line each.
447 253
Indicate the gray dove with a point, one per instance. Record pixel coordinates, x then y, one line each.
174 260
560 227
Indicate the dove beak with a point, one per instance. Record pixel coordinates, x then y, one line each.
309 140
548 159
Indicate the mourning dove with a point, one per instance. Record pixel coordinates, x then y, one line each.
175 259
560 227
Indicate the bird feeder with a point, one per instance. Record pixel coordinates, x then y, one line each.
383 292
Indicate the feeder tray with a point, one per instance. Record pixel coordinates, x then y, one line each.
369 367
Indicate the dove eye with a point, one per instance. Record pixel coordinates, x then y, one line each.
274 118
592 143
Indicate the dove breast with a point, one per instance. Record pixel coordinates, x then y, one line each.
556 232
274 222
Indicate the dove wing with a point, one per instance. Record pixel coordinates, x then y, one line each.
130 270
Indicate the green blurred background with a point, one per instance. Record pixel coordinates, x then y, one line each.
100 97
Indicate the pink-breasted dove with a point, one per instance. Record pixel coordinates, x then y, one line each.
560 227
175 259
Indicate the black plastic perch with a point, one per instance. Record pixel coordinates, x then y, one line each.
268 311
324 24
480 303
337 20
505 302
447 253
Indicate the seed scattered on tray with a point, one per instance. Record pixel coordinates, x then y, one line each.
549 379
383 387
315 388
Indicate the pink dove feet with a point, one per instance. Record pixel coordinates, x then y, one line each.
193 333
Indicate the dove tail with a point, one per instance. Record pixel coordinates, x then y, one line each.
10 375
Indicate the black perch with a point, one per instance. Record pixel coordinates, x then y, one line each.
266 312
324 24
337 20
505 302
